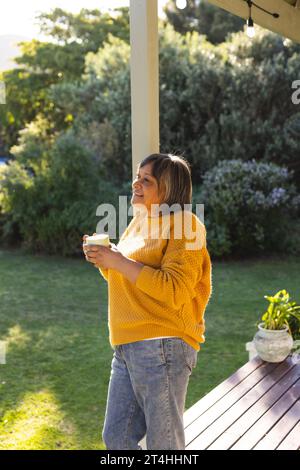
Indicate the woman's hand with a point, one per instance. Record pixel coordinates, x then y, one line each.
112 258
102 256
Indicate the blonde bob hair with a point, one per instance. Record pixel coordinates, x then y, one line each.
173 177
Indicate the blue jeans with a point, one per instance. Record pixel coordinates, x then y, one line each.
146 394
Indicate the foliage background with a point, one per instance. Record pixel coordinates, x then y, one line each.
223 98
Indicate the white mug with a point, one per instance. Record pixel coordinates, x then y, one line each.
99 239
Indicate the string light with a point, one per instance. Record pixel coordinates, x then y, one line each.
250 24
250 28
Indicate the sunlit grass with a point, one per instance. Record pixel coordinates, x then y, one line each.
36 423
16 336
53 318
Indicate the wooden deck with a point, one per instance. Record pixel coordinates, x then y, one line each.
258 407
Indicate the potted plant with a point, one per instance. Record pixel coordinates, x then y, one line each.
278 327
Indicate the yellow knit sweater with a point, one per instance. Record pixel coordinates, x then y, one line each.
173 288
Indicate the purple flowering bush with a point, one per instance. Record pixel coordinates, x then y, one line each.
250 207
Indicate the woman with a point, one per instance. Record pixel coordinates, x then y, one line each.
159 288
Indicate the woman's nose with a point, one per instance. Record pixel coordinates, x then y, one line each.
135 183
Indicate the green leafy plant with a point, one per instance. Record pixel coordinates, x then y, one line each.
282 312
242 201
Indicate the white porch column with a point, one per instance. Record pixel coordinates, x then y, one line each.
144 79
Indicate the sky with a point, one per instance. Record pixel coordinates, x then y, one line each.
17 16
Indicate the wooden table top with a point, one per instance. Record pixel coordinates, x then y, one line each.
258 407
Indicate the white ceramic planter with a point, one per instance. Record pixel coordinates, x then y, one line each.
273 345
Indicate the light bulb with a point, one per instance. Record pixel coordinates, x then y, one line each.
250 28
250 32
181 4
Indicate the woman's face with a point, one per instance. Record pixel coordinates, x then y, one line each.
145 188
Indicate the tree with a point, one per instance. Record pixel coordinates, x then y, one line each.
89 28
204 18
62 60
26 97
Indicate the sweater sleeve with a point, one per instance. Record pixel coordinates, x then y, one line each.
181 269
104 273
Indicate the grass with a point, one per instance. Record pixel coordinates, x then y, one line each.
53 318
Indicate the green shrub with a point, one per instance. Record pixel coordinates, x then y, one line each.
249 207
229 102
54 207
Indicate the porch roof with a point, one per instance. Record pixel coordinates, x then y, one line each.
288 23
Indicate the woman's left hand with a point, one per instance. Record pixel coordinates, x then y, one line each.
103 256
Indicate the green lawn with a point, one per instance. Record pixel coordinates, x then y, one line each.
53 317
